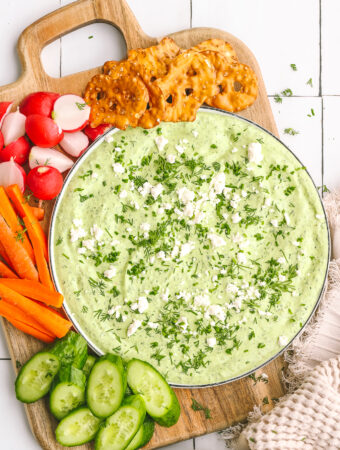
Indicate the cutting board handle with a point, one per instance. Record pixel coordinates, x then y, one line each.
64 20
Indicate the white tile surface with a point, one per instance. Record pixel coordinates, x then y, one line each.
14 429
279 33
330 44
331 142
211 441
307 145
4 353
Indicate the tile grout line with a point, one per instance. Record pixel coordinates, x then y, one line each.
60 47
320 94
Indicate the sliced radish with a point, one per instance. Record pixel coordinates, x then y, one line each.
5 108
75 143
71 112
38 103
13 127
93 133
43 131
45 182
49 157
1 141
12 173
18 150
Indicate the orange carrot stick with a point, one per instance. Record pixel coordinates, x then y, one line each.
24 209
27 329
47 318
17 254
43 270
11 312
3 254
8 213
34 289
39 213
6 272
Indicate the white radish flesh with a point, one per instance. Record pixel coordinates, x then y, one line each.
10 173
71 112
74 143
49 157
5 108
13 127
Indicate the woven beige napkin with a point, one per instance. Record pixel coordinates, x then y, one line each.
308 417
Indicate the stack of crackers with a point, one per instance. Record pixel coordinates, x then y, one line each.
166 83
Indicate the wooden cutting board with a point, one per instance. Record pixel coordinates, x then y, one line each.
229 403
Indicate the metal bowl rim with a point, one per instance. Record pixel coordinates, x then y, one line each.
68 178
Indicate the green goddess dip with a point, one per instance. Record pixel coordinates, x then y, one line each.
200 247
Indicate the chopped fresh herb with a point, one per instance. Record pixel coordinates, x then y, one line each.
80 106
265 401
83 198
289 190
290 131
277 98
159 131
216 166
213 146
310 82
90 37
312 113
287 92
18 364
293 66
59 241
196 406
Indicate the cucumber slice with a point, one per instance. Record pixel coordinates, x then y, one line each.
121 427
71 350
79 427
143 435
160 400
35 377
89 364
68 391
106 386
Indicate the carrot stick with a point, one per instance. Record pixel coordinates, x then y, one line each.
24 209
39 213
17 254
4 255
33 289
27 329
8 213
47 318
43 270
11 312
6 272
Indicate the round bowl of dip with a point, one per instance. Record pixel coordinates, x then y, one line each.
201 247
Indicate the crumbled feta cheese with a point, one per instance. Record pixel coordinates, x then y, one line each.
96 232
161 142
189 210
236 218
202 300
81 250
234 150
195 133
255 152
153 325
287 218
145 189
123 194
115 310
109 138
145 226
217 311
77 233
179 148
157 190
114 242
244 194
175 251
89 244
268 201
142 304
118 168
185 195
295 294
241 258
283 341
94 175
319 216
165 296
264 313
232 288
282 277
296 243
171 159
183 323
77 222
281 260
211 342
110 272
264 376
186 249
167 206
216 240
214 279
199 216
234 204
133 327
218 183
275 223
118 149
185 141
161 255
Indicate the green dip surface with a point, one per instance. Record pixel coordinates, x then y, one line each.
199 247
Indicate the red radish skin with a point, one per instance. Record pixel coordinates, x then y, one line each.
12 173
45 182
18 150
93 133
49 157
75 143
5 108
43 131
71 113
38 103
13 127
1 141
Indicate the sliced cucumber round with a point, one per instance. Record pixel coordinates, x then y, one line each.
89 364
67 392
106 386
160 400
143 435
120 428
35 377
79 427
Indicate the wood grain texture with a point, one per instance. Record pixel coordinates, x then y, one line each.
229 403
